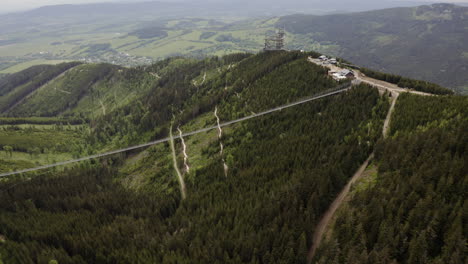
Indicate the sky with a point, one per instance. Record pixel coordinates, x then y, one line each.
18 5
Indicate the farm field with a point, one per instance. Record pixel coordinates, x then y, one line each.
141 43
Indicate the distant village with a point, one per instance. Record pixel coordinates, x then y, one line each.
117 58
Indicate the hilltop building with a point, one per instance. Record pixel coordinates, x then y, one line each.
323 58
341 75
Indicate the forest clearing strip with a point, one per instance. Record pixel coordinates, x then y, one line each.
183 189
279 108
184 150
328 216
220 135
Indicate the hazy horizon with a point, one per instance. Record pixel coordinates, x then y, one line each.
9 6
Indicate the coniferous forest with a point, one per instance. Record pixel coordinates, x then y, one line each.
258 198
415 211
282 177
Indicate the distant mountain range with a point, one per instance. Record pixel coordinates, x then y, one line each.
426 42
227 6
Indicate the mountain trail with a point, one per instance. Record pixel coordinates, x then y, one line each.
386 125
328 216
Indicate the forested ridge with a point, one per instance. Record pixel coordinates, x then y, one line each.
274 194
283 169
415 209
28 81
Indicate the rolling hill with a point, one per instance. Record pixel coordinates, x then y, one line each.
186 95
254 191
426 42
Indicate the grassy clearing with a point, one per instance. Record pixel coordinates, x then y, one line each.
14 165
21 160
37 120
34 159
196 143
151 166
368 180
36 145
43 127
41 141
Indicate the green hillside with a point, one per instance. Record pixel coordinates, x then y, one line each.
255 194
414 209
426 42
86 91
16 87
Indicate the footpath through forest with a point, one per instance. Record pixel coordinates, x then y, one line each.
383 86
328 216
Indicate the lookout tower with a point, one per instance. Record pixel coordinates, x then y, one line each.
276 41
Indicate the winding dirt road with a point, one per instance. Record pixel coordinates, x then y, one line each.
328 216
386 126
